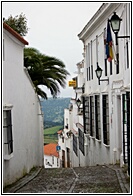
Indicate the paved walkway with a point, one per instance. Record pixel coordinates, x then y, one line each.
97 179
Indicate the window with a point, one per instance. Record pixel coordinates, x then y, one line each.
7 128
88 61
97 49
81 141
105 105
110 67
91 116
62 139
46 160
86 115
91 55
75 145
52 159
127 55
105 56
126 126
97 117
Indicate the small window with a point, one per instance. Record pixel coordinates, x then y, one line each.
52 159
46 161
7 128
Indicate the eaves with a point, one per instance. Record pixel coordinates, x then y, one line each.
99 17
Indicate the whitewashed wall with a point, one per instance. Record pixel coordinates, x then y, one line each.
97 152
27 121
51 161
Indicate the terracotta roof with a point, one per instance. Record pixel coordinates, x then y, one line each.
50 149
15 34
59 132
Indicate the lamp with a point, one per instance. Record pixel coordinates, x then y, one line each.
115 25
78 102
99 74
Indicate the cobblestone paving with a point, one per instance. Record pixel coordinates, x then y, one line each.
97 179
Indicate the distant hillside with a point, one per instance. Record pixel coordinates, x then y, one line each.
53 110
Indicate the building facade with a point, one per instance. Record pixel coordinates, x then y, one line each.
101 124
22 116
51 156
107 105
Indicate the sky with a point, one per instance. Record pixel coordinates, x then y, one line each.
54 28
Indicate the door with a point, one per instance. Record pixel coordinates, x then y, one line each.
68 157
63 158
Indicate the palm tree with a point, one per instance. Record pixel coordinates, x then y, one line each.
45 70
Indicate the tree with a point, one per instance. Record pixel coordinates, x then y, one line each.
46 71
18 23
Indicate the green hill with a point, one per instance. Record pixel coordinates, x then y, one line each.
50 134
53 110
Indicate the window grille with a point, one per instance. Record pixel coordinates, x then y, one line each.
105 105
7 128
91 116
86 114
81 141
126 128
75 145
97 117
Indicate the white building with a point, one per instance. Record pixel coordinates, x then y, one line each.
107 106
22 116
68 137
51 156
102 132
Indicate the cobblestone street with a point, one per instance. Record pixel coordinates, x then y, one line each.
98 179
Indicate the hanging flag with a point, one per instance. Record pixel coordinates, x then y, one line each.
109 51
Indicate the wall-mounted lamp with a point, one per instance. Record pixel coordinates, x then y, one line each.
99 74
78 102
115 22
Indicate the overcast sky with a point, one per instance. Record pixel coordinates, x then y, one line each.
53 29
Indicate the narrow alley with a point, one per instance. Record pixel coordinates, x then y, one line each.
97 179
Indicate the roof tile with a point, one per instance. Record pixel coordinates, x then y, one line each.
50 149
15 34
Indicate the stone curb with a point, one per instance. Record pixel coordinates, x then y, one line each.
24 181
